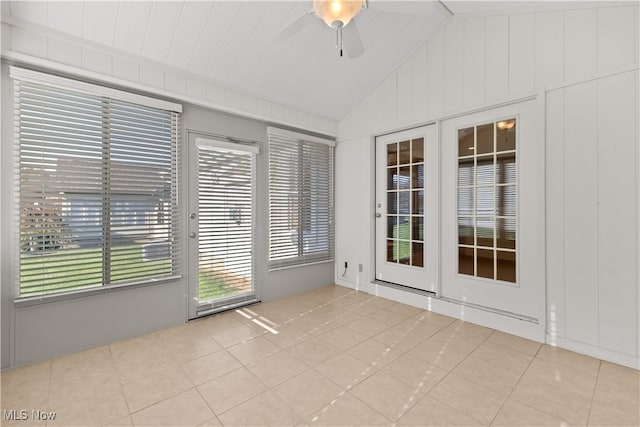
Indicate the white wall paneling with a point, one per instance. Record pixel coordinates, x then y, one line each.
580 44
580 216
617 218
521 54
555 248
496 59
594 224
474 56
549 52
434 76
454 65
585 60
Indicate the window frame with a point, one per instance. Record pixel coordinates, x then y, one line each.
304 218
52 82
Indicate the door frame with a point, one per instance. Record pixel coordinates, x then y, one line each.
193 310
431 213
518 299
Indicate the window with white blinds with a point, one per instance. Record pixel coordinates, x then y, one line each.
301 199
96 190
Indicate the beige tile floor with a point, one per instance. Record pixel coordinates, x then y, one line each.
328 357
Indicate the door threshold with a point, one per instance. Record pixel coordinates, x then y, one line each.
433 295
222 308
405 288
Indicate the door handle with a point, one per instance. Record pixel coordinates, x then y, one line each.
192 234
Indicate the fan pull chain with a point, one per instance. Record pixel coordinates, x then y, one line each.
339 40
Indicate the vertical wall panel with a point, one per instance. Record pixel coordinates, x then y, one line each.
555 213
580 44
453 77
419 86
549 49
383 107
580 215
521 54
617 214
474 60
405 92
616 49
435 75
496 65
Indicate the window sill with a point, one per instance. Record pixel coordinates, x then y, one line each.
45 299
298 265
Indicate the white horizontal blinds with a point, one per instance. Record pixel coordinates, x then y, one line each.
301 200
141 191
96 190
225 225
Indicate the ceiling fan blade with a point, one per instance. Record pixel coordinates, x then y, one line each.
292 29
419 8
352 41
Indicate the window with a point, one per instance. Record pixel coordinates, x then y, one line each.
487 201
96 187
301 199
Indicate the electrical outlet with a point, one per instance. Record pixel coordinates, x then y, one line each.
360 268
346 264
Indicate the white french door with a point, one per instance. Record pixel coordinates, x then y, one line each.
222 193
493 209
407 208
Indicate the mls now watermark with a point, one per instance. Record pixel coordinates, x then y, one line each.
24 415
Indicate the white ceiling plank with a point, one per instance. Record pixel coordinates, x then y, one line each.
273 54
319 40
32 11
162 25
305 85
399 7
66 16
386 43
100 21
475 7
269 25
230 43
131 26
215 31
194 17
237 39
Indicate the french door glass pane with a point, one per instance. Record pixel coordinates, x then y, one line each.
487 208
405 202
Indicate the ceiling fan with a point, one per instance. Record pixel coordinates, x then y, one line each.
339 15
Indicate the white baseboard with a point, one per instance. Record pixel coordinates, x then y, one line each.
492 320
510 325
594 351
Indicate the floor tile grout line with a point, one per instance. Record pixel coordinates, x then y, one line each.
513 389
593 394
450 372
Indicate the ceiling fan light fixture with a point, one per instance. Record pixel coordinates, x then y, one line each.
506 124
337 13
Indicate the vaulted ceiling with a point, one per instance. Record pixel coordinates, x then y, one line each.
231 42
